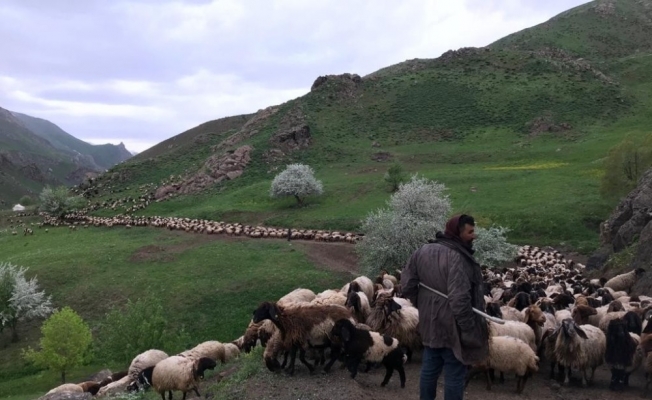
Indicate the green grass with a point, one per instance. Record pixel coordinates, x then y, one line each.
208 286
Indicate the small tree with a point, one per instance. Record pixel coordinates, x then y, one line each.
139 326
58 201
625 163
491 246
65 343
20 299
26 201
296 180
394 176
415 213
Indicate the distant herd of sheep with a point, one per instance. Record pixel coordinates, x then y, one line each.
551 312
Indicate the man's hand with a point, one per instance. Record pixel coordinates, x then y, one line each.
470 340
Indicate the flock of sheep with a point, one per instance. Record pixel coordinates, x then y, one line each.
552 313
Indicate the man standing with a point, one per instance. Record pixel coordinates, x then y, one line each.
452 334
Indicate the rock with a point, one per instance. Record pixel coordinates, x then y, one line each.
599 258
381 156
643 259
375 144
233 174
321 80
297 137
67 396
627 222
100 376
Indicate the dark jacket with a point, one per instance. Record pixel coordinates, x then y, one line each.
448 267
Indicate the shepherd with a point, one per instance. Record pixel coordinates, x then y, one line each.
453 335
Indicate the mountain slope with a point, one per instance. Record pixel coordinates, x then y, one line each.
516 130
104 156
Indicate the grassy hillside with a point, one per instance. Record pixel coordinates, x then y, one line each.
103 156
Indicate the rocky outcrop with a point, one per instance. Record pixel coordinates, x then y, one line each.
216 169
546 124
632 219
347 79
293 134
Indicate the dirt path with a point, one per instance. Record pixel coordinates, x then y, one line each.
338 384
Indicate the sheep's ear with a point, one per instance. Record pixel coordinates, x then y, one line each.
580 332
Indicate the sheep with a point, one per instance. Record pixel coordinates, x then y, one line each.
362 345
519 330
144 360
624 282
645 350
397 319
300 327
604 322
67 388
176 373
360 284
297 296
358 304
621 354
211 349
508 355
262 331
329 297
580 346
511 314
231 351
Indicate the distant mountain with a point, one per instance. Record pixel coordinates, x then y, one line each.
104 156
35 152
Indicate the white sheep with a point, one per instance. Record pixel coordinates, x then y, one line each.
211 349
509 355
358 304
624 282
360 284
67 388
176 373
330 296
582 347
519 330
231 351
297 296
144 360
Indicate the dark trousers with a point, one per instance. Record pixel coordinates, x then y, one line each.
434 361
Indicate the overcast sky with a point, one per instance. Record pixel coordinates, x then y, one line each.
140 72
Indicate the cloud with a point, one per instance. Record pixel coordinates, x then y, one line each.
142 71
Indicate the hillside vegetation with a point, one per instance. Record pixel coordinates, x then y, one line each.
525 122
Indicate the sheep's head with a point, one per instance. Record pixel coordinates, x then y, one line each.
390 307
105 381
521 301
353 300
144 378
201 365
266 310
639 271
633 322
355 287
582 313
615 306
534 314
493 309
570 329
343 330
93 388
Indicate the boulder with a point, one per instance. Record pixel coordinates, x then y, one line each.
67 396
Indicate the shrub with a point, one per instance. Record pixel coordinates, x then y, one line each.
394 176
65 343
626 162
26 201
296 180
58 201
491 246
139 326
415 213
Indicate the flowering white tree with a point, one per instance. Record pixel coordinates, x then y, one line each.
20 299
491 246
296 180
58 201
416 212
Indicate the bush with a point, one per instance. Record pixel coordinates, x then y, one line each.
26 201
394 176
296 180
491 246
415 213
626 162
58 201
139 326
65 343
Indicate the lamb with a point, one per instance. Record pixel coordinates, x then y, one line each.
301 327
582 347
358 304
211 349
621 354
508 355
176 373
624 282
362 345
